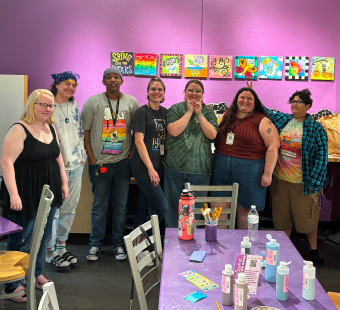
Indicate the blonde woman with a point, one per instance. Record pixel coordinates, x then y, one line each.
31 158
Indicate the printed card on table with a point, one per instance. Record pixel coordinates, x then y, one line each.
123 61
250 265
201 282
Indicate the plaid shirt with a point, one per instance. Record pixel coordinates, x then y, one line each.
314 150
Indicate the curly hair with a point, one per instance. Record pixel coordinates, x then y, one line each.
232 111
304 96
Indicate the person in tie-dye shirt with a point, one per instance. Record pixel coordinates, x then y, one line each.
300 171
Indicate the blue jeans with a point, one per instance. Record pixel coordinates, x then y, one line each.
173 186
149 195
115 183
21 241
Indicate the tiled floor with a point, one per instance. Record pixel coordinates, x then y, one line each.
105 284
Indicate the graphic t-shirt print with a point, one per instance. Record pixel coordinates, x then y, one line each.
159 136
113 136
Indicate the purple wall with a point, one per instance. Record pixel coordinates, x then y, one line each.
42 37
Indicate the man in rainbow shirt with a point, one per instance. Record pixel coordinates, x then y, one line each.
107 122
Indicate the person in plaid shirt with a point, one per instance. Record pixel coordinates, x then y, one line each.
300 171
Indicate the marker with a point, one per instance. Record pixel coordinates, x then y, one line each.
218 307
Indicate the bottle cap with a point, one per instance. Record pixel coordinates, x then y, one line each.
228 268
269 237
185 191
272 241
241 277
284 264
308 263
246 240
253 207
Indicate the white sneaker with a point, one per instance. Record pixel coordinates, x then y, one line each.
141 255
93 254
120 253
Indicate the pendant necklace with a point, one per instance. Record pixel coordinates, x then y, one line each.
67 120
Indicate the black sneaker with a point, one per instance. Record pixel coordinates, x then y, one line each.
120 253
93 254
316 257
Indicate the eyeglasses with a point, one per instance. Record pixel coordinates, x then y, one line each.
194 91
295 101
45 105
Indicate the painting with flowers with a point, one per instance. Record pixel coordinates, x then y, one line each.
196 66
246 67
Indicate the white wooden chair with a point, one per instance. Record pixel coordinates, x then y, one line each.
218 188
136 267
38 232
49 299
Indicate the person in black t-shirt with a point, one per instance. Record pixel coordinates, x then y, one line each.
148 152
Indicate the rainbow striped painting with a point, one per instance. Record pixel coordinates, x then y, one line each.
145 64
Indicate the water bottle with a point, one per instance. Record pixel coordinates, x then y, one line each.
253 223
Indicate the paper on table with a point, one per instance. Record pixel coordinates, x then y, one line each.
250 265
195 278
195 296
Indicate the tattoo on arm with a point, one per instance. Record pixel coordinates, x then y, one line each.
269 122
269 130
268 151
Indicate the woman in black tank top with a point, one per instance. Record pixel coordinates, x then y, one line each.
31 158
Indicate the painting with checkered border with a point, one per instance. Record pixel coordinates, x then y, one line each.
171 65
297 68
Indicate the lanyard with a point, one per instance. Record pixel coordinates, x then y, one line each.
240 121
153 111
117 108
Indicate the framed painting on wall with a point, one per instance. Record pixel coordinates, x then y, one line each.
145 64
323 68
297 68
123 61
246 67
171 65
220 67
196 66
271 67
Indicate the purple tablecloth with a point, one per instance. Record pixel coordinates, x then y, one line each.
176 254
8 227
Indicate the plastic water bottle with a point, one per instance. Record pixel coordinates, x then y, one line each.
253 224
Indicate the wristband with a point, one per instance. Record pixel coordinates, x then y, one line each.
199 115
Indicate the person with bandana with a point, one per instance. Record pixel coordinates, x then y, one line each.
71 137
107 123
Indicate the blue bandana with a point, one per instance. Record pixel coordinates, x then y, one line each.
64 76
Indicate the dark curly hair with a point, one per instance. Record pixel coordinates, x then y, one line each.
54 91
232 111
304 96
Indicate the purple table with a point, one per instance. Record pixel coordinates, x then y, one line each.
8 227
176 254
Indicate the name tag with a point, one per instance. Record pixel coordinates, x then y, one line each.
230 138
161 149
288 153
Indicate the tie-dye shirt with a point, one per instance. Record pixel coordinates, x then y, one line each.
288 166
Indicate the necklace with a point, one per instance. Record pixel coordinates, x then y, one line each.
67 120
299 117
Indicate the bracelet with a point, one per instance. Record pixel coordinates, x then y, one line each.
199 115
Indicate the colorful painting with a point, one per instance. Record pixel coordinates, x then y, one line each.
297 68
123 61
196 66
171 65
246 67
145 64
220 67
323 68
271 67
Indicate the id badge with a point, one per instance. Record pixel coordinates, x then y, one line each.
161 149
114 136
230 138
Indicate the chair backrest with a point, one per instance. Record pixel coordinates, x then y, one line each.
38 232
49 300
151 279
218 188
